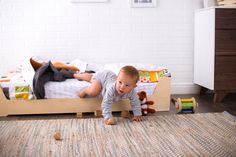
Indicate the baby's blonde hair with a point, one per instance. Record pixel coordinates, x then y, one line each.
131 71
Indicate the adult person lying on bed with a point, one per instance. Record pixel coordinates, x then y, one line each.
113 88
50 71
36 65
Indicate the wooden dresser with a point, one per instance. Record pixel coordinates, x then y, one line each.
215 50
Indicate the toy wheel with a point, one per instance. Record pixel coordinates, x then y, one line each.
176 104
179 105
194 104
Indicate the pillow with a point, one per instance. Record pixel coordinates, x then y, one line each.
94 67
147 72
115 67
80 64
27 72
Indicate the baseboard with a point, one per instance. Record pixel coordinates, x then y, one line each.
184 88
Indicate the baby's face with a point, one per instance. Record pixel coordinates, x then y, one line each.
124 83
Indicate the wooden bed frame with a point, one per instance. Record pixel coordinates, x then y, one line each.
161 98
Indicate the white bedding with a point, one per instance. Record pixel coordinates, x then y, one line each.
71 87
66 89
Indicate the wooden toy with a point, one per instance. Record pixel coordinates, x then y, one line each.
186 105
57 136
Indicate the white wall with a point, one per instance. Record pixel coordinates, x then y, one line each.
101 32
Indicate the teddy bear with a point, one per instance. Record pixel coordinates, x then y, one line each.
145 104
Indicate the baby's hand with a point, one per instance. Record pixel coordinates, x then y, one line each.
82 94
110 121
137 118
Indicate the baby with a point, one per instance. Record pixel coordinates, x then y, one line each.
113 88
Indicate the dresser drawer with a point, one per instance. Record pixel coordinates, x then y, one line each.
225 42
225 73
225 18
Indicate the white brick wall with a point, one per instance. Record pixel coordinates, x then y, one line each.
101 32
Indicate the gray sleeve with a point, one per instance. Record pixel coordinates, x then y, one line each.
100 76
104 76
107 103
135 104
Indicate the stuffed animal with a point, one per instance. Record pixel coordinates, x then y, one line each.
145 104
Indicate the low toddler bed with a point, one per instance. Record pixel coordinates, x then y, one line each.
72 104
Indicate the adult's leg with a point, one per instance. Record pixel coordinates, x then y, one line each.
93 90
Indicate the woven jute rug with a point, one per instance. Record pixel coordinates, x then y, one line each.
203 134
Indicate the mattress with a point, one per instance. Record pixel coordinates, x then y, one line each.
67 89
71 87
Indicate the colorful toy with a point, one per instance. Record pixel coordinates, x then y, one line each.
152 76
145 104
186 105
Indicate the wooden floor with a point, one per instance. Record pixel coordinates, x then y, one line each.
205 105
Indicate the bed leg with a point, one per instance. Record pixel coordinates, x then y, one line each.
125 114
79 114
98 113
